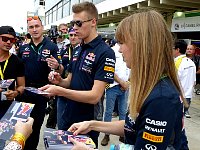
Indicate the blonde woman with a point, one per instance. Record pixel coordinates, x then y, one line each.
155 107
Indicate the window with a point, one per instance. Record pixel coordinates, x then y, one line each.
60 16
66 10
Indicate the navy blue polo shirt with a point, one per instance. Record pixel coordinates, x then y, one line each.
92 61
36 68
159 119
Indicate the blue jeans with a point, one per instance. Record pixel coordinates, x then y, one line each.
64 125
2 144
61 105
112 94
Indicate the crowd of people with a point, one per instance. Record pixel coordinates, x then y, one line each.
151 82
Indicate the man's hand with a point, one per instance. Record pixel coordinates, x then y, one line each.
124 85
52 63
79 145
54 77
10 94
53 90
81 127
24 128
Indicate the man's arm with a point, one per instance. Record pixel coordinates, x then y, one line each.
11 94
20 84
91 96
66 82
123 84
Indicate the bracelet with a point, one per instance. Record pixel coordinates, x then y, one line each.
20 138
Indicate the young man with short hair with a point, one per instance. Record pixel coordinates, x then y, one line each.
91 68
39 57
11 67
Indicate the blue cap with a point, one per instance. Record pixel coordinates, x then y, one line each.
71 30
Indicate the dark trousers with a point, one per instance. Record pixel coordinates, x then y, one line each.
184 141
52 111
189 102
38 113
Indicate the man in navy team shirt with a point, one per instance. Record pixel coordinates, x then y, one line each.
91 68
39 57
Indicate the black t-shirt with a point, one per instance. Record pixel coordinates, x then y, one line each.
14 69
36 68
160 116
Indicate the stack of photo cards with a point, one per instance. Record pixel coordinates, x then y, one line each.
6 85
59 139
16 111
36 91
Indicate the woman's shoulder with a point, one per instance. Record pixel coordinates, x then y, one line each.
164 90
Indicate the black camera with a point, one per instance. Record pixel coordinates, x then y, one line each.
53 33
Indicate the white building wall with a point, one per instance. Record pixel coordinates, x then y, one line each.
50 3
102 7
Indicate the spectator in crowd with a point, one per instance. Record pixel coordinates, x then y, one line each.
186 72
187 75
91 68
190 53
63 30
117 91
11 67
39 57
66 54
155 109
22 132
27 39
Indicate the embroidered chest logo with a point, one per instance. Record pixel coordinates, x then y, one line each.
90 56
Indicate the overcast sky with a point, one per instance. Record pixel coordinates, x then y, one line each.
14 12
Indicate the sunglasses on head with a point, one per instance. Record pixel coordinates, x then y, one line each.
79 23
5 39
33 18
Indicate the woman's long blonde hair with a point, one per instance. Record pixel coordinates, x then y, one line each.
147 34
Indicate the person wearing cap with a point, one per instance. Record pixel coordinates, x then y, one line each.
39 57
66 54
11 67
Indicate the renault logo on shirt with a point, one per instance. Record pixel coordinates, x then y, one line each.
150 147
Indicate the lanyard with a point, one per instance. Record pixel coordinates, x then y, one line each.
4 68
70 53
38 51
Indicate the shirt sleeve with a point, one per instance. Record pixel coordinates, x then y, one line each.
157 123
106 67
